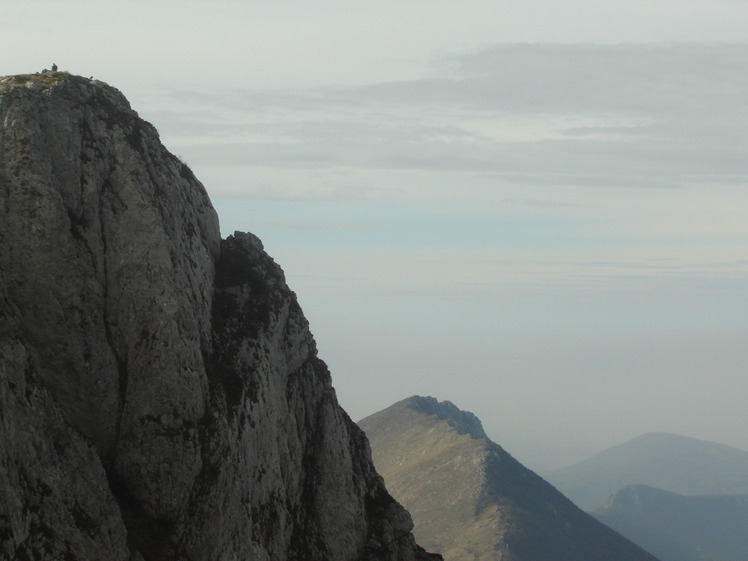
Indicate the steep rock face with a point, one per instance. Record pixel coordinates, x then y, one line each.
471 501
160 391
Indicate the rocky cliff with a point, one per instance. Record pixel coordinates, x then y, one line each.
161 397
471 500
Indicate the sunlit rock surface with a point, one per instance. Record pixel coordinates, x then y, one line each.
161 397
472 501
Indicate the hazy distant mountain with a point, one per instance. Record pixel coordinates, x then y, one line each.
666 461
679 528
471 500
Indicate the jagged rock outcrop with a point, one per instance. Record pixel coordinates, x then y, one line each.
678 527
161 397
471 501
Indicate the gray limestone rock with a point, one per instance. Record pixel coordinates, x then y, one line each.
160 391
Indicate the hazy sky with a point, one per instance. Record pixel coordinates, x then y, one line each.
534 209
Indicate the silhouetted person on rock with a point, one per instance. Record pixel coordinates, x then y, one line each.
54 67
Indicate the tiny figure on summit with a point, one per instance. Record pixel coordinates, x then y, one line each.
54 67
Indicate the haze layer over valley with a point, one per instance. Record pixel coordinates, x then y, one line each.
680 528
680 498
670 462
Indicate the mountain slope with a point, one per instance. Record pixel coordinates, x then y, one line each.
680 528
161 397
470 500
666 461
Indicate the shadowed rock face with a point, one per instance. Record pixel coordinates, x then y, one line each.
471 501
160 392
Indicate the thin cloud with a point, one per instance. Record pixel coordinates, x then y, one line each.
607 115
537 203
309 226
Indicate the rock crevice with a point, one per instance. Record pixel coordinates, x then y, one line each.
160 391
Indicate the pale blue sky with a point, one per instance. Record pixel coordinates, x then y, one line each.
536 210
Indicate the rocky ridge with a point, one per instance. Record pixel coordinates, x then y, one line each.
471 500
161 396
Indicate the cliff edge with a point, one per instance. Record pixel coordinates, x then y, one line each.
161 396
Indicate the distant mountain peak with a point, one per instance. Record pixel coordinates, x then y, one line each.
677 527
471 500
671 462
633 496
464 422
